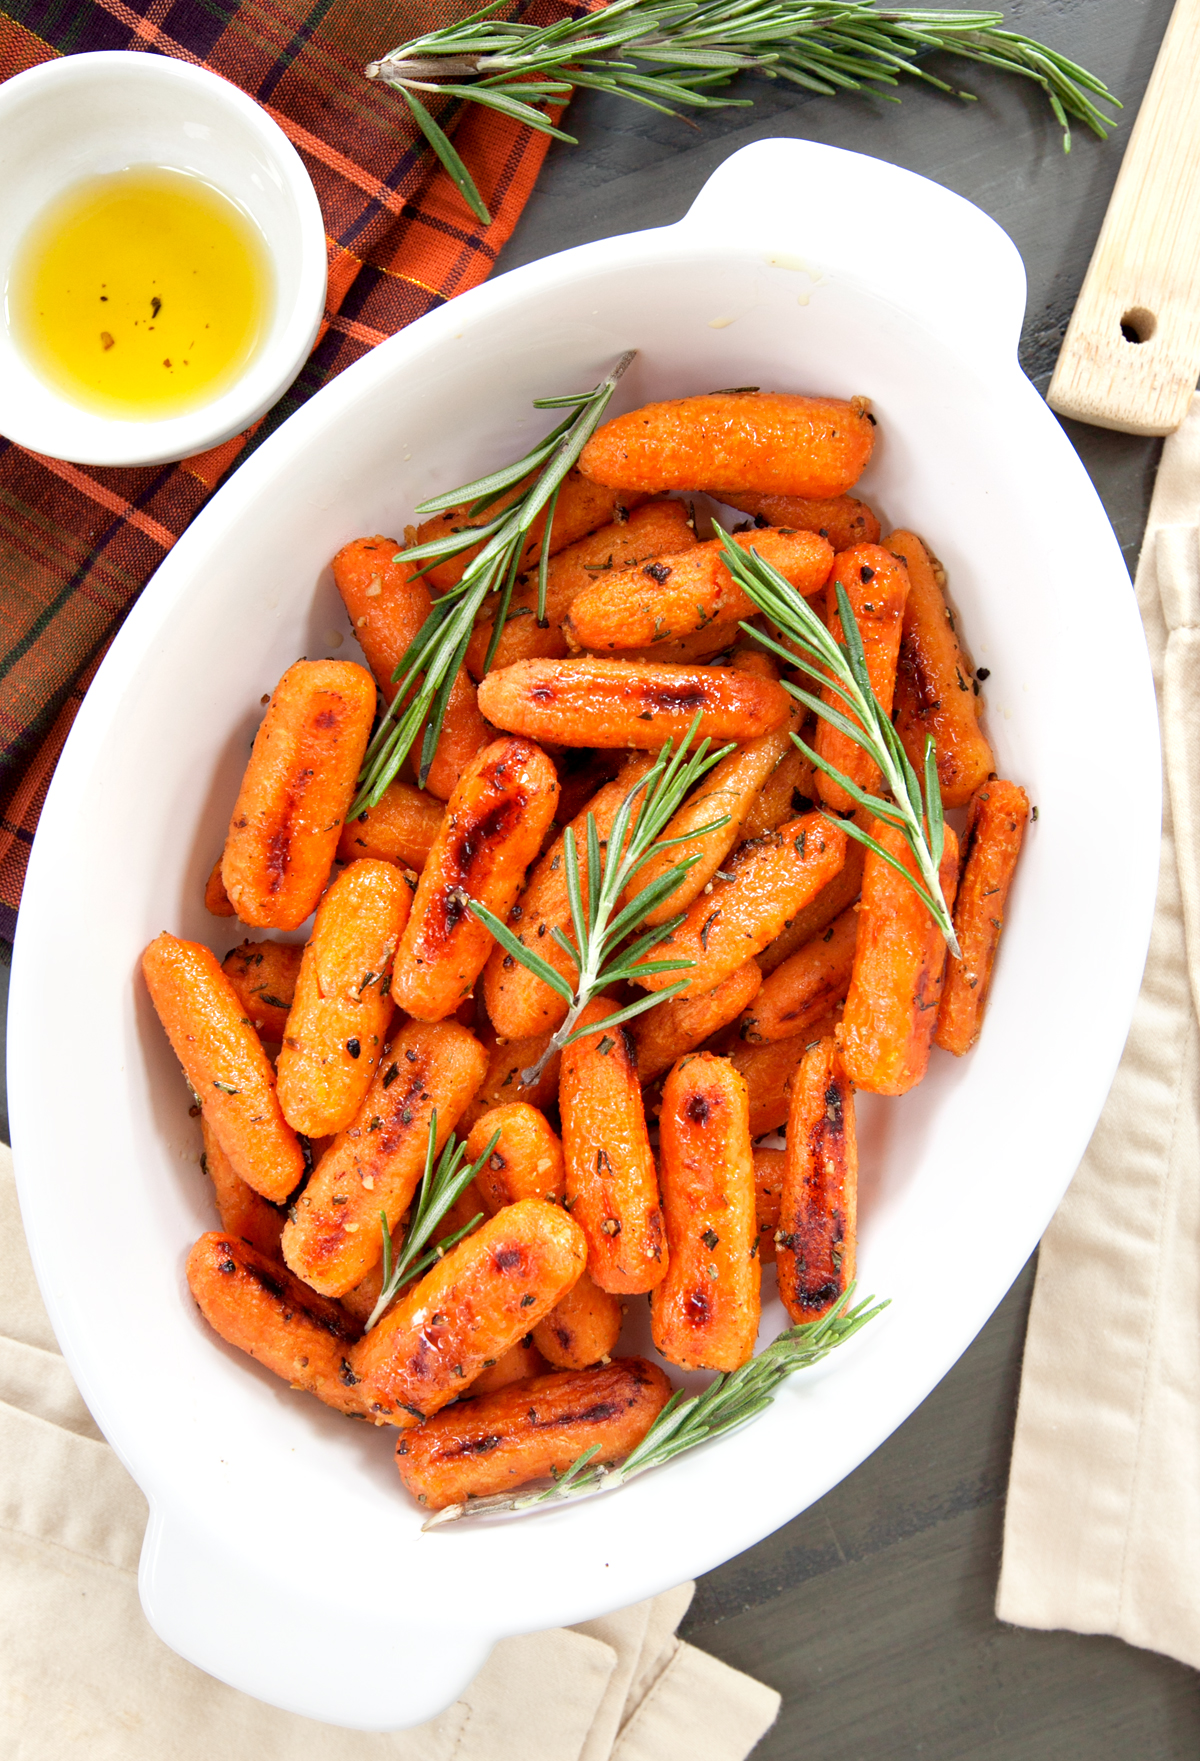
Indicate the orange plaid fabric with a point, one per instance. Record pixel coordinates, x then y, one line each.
78 544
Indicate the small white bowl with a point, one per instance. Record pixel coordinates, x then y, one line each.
85 115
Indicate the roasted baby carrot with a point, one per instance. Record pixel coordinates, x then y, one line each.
729 792
842 520
525 1162
468 1211
876 585
257 1305
768 1187
531 1430
770 1072
774 442
242 1211
494 826
387 603
680 1024
789 791
673 596
224 1062
399 828
818 1207
465 733
704 1314
657 528
300 780
520 1363
806 986
333 1236
581 1329
768 882
216 899
264 976
716 638
991 846
507 1058
477 1302
617 703
335 1031
899 964
936 692
829 903
518 1002
612 1187
582 505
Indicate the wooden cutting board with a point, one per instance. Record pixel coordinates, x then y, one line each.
1131 356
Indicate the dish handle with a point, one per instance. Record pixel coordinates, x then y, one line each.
214 1609
955 270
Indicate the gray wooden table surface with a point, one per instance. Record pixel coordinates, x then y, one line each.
872 1612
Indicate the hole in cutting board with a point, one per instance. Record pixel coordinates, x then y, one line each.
1138 325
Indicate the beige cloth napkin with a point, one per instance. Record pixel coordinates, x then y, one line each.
81 1673
1102 1533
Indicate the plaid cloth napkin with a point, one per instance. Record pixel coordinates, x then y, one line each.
78 544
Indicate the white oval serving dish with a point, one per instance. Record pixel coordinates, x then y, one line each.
799 267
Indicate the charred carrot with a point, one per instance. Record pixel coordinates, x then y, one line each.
399 828
899 965
936 692
612 1187
477 1302
518 1002
729 792
526 1161
257 1305
704 1314
507 1058
299 782
771 442
768 1187
335 1030
658 528
531 1430
768 882
829 903
495 821
264 976
842 520
242 1211
333 1236
991 845
673 596
224 1062
805 987
617 703
818 1207
682 1023
876 585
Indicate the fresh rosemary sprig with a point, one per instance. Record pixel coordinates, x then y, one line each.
687 1420
440 1188
437 650
915 808
666 53
602 949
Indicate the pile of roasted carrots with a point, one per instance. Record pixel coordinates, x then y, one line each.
816 970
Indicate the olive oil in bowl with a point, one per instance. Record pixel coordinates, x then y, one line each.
141 294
